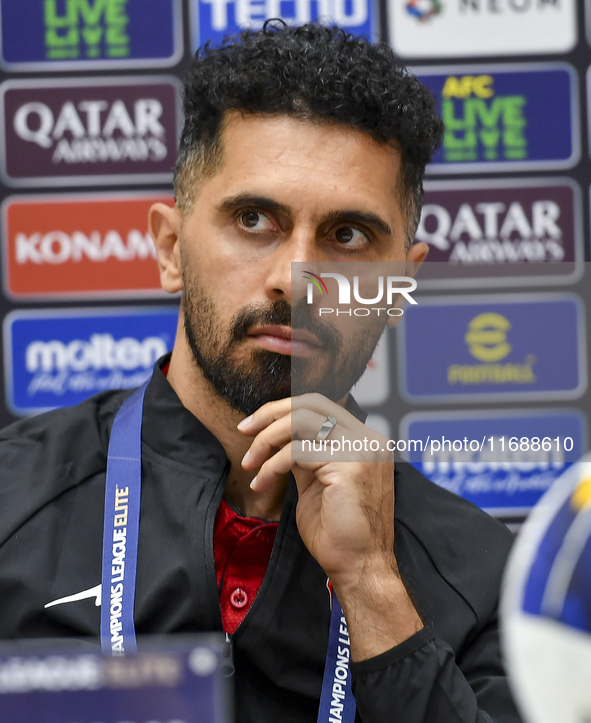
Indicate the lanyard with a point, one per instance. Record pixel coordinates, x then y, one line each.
120 546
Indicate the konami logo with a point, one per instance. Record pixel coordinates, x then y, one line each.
86 246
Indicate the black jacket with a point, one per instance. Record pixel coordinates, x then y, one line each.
451 556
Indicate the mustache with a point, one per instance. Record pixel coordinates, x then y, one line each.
282 313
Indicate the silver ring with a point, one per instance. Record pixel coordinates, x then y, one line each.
327 426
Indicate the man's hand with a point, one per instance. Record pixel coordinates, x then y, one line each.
345 512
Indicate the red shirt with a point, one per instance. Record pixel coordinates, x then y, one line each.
242 549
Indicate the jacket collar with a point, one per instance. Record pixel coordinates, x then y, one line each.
171 430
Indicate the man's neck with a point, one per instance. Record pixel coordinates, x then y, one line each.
200 398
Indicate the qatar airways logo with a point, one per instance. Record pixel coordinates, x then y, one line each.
387 289
66 129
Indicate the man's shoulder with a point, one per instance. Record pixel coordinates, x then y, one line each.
467 547
89 417
41 457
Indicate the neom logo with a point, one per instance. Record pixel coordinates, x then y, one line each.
86 245
422 10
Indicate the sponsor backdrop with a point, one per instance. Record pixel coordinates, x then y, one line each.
493 358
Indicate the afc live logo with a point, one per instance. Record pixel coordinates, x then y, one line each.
496 117
87 34
387 290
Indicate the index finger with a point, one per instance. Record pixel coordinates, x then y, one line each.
266 415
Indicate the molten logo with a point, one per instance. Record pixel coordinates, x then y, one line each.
86 246
55 358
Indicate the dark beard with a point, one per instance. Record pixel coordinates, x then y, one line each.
267 376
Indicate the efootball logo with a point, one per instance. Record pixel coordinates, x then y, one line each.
423 9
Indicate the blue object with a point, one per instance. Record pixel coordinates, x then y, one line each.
120 542
502 117
502 461
87 34
214 19
493 348
57 358
121 526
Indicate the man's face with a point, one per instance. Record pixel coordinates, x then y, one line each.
287 191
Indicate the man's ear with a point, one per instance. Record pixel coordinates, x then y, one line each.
164 223
414 258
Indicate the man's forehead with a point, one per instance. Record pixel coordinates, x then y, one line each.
279 155
302 133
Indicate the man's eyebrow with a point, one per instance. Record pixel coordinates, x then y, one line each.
267 204
248 199
364 217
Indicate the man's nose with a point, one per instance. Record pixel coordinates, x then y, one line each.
299 249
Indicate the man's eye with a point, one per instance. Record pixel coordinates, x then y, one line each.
351 237
256 221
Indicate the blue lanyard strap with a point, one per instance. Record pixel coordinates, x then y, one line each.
120 547
337 703
121 527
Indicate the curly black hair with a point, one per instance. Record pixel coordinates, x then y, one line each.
311 72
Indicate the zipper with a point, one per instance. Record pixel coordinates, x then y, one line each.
281 530
209 552
265 582
228 663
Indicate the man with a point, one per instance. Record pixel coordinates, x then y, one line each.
299 146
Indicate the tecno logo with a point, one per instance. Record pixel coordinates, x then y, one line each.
249 13
101 351
92 245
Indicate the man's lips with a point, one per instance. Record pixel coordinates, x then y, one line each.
285 340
